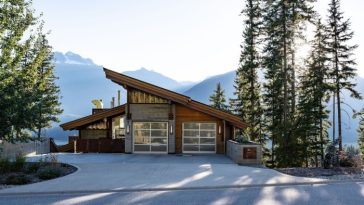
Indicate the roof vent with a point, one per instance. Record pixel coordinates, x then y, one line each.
98 103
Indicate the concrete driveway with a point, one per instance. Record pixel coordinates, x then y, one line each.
122 172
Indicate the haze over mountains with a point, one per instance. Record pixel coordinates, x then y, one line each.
81 81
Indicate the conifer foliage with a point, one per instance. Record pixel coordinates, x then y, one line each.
217 99
26 74
247 103
341 59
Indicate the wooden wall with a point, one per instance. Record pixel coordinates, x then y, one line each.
184 114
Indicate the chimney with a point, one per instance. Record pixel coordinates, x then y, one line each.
112 102
119 96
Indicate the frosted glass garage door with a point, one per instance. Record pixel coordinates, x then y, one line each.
150 137
199 137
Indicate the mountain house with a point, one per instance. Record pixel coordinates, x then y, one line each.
153 120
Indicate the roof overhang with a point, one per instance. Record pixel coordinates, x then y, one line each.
119 110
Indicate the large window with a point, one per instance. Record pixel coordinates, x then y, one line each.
150 136
199 137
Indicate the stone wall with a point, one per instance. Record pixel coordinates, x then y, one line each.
244 153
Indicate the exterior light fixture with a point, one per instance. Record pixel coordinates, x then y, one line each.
219 129
171 129
128 128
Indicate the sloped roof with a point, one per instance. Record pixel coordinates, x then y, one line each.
127 81
119 110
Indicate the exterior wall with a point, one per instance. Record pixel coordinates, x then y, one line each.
93 134
236 152
184 114
150 113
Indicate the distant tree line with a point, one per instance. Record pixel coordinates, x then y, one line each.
288 107
29 97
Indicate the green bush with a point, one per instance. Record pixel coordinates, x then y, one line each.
33 167
19 162
17 179
5 165
49 173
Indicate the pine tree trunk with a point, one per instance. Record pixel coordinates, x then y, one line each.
285 84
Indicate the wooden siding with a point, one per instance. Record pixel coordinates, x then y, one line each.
137 96
185 114
93 134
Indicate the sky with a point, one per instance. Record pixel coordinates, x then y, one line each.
187 40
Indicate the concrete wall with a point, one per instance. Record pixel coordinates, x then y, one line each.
235 151
29 148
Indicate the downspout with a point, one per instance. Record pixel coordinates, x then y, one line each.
224 136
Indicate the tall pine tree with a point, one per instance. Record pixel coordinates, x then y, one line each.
341 60
312 113
247 101
360 131
217 99
282 18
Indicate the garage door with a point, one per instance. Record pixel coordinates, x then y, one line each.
150 137
199 137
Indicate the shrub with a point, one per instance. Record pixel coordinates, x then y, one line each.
19 162
17 179
33 167
5 165
49 173
331 156
350 157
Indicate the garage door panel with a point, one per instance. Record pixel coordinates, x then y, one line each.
191 148
190 140
142 148
159 148
204 133
207 148
159 141
159 133
207 141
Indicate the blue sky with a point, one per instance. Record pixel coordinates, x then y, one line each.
187 40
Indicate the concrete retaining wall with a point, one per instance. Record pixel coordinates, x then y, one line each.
243 153
29 148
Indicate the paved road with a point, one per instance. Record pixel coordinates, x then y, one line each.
332 194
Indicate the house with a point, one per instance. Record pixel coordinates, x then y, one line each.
154 120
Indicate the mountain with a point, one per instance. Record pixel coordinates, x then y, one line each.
204 89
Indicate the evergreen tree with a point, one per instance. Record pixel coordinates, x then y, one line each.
341 59
282 18
20 61
217 99
47 105
247 103
312 115
360 131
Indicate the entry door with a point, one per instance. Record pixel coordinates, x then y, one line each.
199 137
150 137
